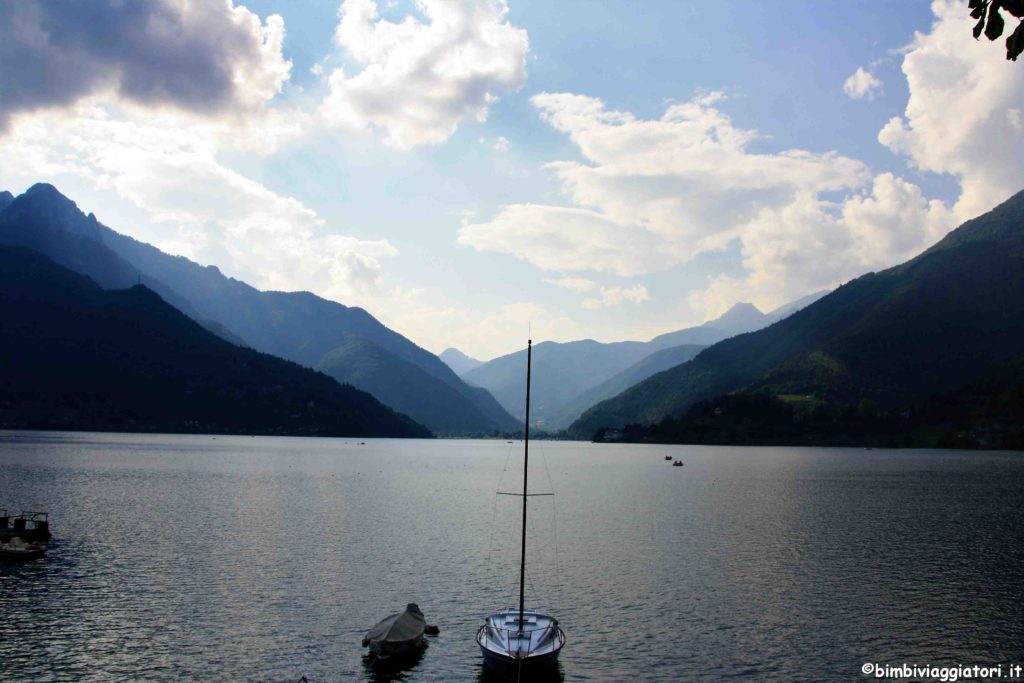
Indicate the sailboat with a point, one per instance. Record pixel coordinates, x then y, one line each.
518 642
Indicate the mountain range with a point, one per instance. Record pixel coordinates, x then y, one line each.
459 362
297 326
76 356
569 377
930 352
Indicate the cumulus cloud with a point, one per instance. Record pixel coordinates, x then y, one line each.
210 212
565 238
613 296
963 114
420 79
651 194
196 55
862 85
812 244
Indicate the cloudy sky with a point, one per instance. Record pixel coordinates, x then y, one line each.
461 168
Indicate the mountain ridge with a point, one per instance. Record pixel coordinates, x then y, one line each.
895 339
459 362
77 356
298 326
568 372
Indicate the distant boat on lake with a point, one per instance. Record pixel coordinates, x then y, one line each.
518 642
33 527
17 550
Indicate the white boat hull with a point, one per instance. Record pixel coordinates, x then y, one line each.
511 649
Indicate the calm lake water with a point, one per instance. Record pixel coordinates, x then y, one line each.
265 559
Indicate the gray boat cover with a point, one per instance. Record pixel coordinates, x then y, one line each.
397 632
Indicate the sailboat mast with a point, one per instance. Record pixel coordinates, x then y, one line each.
526 469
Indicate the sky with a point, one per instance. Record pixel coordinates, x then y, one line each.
469 170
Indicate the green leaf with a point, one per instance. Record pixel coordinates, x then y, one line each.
1014 7
994 29
978 27
1015 43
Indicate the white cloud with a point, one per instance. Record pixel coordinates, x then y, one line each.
613 296
862 85
562 238
811 244
655 193
209 212
576 284
963 112
210 58
501 144
420 80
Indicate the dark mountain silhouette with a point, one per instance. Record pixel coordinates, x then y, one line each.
298 326
76 356
944 329
5 199
459 362
565 373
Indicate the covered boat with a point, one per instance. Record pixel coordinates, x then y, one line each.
398 634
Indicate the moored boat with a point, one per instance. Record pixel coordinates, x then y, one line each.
397 635
515 648
33 527
17 550
519 642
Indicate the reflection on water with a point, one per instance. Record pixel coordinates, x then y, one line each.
188 557
392 669
556 675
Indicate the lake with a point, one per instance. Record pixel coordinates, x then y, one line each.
266 559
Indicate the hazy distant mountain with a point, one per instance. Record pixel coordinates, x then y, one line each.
638 372
565 373
930 349
458 361
5 199
560 372
792 307
741 318
362 363
299 326
75 356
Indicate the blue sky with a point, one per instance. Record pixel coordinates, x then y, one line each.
461 169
